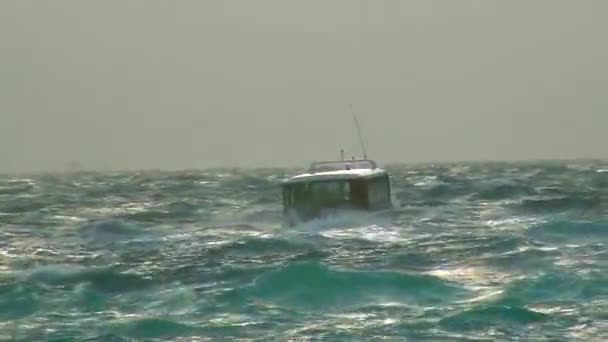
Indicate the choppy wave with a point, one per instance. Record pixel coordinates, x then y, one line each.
478 251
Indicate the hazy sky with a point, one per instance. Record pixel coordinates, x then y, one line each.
195 84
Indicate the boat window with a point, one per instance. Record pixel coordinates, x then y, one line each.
378 191
359 193
296 193
330 191
319 193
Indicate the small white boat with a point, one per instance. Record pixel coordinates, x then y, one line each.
333 187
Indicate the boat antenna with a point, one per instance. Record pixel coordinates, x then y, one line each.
358 131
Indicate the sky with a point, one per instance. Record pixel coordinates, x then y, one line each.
150 84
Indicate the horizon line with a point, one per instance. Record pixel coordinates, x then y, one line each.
293 167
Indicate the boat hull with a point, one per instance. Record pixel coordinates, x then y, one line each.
338 216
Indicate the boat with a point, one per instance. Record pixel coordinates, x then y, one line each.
332 187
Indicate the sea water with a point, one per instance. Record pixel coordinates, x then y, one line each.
477 251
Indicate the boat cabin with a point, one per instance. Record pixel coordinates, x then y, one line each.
332 186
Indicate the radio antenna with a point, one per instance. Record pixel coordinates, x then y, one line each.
358 131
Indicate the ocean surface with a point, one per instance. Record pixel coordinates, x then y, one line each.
472 252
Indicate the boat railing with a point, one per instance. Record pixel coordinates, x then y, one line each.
336 165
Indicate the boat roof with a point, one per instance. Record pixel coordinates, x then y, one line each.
337 170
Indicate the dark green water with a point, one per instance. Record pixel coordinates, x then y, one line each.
474 252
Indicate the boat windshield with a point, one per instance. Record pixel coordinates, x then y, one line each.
317 193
